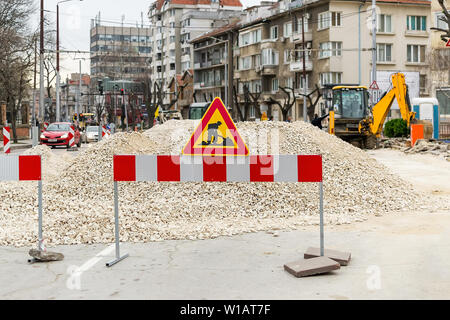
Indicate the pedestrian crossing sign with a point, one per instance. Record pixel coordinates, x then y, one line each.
216 134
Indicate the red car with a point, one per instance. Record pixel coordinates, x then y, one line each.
57 134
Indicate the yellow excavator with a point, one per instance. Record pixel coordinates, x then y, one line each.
352 120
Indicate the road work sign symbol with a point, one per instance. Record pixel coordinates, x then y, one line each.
216 134
374 86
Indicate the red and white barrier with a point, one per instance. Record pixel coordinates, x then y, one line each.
104 132
71 136
20 168
263 168
25 168
6 140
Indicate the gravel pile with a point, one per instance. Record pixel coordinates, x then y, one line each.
78 202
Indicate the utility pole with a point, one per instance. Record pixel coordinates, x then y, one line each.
41 66
34 131
58 106
374 42
304 70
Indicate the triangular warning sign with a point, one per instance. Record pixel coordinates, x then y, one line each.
374 86
216 134
448 43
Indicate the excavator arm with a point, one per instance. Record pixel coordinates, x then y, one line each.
374 123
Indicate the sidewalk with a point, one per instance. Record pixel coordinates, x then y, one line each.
22 144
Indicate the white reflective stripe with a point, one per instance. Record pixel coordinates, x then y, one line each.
146 168
191 168
9 168
285 168
238 169
6 133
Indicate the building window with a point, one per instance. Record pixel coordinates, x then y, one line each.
287 31
416 23
245 63
269 57
415 53
330 77
299 25
336 19
384 23
423 83
255 86
287 56
274 32
289 82
186 22
274 85
324 20
439 23
250 37
172 39
185 65
256 60
328 49
384 52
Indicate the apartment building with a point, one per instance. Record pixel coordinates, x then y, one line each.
341 41
176 23
337 46
264 55
214 64
120 52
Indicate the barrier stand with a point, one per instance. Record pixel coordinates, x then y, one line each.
116 227
6 140
264 168
72 139
25 168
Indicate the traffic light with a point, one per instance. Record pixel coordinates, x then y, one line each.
121 92
100 87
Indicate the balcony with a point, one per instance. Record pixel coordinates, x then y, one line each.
296 66
207 85
269 70
297 37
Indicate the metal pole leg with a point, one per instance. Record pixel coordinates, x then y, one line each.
41 244
40 239
321 219
116 218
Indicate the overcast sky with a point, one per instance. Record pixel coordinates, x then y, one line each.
75 23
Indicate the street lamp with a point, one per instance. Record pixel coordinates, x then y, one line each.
58 105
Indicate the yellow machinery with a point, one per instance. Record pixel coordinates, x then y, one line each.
352 120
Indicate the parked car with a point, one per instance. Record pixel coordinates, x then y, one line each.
91 134
57 134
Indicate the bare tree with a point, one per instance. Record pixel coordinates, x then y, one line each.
446 18
289 101
16 50
312 103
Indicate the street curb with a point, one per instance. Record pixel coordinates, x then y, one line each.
18 147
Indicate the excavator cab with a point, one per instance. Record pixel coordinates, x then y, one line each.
350 102
350 105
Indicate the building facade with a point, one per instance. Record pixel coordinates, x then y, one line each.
176 23
120 52
337 46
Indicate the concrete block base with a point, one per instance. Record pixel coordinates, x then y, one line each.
309 267
339 256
